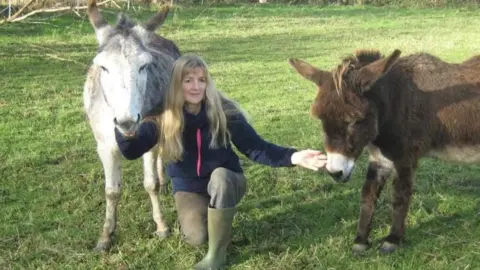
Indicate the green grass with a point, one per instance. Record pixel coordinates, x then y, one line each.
51 189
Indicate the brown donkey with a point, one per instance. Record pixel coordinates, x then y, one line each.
400 109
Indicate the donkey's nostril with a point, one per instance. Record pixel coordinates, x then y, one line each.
336 175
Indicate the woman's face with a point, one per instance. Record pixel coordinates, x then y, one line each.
194 84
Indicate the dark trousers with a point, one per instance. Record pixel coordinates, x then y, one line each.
225 190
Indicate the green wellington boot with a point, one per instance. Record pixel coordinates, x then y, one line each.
219 237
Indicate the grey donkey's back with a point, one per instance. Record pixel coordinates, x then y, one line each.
127 82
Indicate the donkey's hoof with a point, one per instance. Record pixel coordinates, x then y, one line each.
388 247
102 246
163 189
359 249
162 234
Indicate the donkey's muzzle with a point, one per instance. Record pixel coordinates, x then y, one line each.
127 126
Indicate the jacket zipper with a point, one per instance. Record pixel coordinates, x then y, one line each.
199 148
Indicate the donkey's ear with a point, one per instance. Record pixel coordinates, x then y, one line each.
308 71
99 23
96 19
156 20
369 74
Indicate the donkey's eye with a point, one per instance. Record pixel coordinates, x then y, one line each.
142 68
354 125
104 68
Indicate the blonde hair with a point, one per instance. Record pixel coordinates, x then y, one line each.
218 108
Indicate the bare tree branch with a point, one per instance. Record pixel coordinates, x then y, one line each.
76 13
15 17
64 59
49 52
18 12
115 3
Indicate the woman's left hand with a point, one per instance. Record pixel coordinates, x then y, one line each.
310 159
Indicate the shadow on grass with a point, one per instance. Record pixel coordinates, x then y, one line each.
37 61
301 219
305 218
292 11
272 47
20 30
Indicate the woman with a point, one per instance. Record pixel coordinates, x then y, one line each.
195 136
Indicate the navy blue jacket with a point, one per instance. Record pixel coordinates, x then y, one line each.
192 173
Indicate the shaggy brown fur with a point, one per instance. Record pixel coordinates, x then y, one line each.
400 109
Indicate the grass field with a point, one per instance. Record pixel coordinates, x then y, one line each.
51 181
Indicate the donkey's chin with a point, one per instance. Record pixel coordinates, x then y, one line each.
128 133
341 176
345 177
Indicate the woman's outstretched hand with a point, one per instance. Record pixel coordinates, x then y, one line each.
310 159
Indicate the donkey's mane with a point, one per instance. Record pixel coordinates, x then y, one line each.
359 59
124 25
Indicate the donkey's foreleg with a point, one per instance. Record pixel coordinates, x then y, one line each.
401 199
161 177
111 161
377 175
151 184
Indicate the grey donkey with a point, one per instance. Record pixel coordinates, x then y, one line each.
126 83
